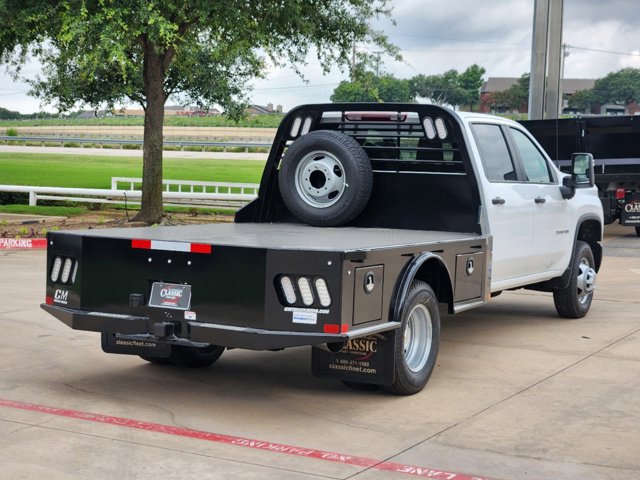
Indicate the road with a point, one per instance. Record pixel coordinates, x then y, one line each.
137 132
518 393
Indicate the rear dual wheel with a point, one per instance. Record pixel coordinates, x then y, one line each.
190 357
417 344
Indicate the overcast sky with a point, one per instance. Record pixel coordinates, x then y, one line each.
436 35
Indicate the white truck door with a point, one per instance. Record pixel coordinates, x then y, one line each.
552 227
509 207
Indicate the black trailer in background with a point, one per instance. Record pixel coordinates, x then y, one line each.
614 142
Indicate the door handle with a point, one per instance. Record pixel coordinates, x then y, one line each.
540 200
498 201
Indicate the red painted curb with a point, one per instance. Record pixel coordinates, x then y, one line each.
22 243
243 442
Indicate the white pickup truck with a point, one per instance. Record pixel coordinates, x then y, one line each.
371 221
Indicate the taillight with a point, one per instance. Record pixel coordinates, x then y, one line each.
287 289
55 269
305 291
301 290
323 292
620 193
66 270
63 270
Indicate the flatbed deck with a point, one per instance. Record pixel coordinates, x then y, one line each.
283 236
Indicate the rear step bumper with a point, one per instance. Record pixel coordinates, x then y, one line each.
211 333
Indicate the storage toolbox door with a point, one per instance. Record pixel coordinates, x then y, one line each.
367 301
469 276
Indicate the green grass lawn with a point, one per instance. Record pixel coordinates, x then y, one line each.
44 210
85 171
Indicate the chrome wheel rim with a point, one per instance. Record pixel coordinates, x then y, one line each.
586 281
320 179
418 337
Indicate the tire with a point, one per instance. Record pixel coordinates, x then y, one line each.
156 360
325 178
417 342
574 301
638 231
195 357
362 386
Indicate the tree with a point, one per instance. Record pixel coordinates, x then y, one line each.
9 114
451 87
470 82
516 96
368 87
440 89
582 100
622 87
108 51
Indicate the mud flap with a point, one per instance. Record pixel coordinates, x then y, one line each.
630 214
144 345
366 360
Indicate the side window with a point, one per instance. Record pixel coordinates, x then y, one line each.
534 163
496 160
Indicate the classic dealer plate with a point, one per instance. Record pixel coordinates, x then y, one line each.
170 295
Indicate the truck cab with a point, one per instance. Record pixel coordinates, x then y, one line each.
533 225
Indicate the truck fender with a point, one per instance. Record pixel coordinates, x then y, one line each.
430 268
589 229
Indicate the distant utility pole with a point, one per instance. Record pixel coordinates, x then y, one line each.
545 96
377 54
353 60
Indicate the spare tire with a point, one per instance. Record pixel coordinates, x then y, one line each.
325 178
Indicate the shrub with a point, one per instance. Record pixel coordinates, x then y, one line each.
12 198
12 132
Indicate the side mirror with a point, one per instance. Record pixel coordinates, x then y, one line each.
568 188
582 170
582 175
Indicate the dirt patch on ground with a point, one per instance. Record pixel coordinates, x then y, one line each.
30 227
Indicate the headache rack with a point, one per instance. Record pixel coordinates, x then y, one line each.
404 141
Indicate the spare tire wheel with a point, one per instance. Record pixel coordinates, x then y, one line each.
325 178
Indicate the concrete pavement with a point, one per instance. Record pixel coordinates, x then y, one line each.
518 393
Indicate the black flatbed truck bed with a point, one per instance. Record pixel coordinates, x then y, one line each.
231 272
282 236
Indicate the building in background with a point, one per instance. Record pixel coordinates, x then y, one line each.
569 86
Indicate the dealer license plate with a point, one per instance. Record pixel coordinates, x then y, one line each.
170 295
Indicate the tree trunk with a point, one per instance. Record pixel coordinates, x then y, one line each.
151 210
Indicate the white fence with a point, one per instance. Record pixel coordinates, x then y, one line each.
176 193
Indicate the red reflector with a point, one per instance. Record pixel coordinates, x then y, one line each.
138 243
344 328
330 328
200 248
48 300
620 193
